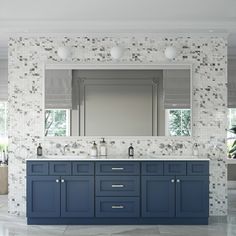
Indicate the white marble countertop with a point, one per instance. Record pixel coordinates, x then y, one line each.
117 158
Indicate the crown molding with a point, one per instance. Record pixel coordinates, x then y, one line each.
20 26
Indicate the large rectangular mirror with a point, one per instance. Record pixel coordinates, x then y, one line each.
117 102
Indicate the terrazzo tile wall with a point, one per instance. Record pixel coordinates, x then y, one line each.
208 56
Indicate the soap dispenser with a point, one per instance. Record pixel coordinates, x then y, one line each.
131 151
195 149
103 148
94 150
39 150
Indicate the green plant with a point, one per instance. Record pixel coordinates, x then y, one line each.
232 150
3 146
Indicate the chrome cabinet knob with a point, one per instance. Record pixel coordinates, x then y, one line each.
57 180
62 180
172 181
177 180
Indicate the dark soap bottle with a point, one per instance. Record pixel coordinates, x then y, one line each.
39 150
131 151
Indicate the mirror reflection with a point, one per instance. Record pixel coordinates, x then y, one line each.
117 102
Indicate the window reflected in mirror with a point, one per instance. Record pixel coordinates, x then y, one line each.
118 102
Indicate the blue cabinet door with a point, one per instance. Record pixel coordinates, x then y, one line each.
43 196
77 196
158 196
192 196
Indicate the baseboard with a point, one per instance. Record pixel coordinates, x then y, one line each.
117 221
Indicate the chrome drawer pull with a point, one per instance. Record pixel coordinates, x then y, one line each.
117 168
117 186
117 207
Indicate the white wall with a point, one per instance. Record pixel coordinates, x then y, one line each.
3 79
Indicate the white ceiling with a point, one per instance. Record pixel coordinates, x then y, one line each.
117 16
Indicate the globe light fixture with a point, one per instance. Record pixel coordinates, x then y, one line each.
170 52
117 52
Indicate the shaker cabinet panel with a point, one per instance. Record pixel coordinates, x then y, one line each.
117 207
117 185
37 168
158 196
118 168
152 168
60 168
192 196
174 168
198 168
77 196
43 196
82 168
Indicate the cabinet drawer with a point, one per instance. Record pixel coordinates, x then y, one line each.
117 207
37 168
117 185
82 168
117 167
175 168
152 168
60 168
198 168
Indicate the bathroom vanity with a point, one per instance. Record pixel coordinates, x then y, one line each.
120 191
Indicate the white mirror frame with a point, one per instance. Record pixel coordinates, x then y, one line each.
110 66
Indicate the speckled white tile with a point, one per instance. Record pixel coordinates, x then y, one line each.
208 55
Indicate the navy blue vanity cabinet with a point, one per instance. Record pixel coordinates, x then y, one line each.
158 196
43 196
77 191
182 192
192 196
192 191
117 189
77 196
57 196
117 192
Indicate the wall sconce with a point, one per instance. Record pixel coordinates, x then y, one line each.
170 52
117 52
64 52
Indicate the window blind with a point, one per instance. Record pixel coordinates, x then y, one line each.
58 89
176 92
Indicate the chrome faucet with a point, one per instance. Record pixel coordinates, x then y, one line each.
65 148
